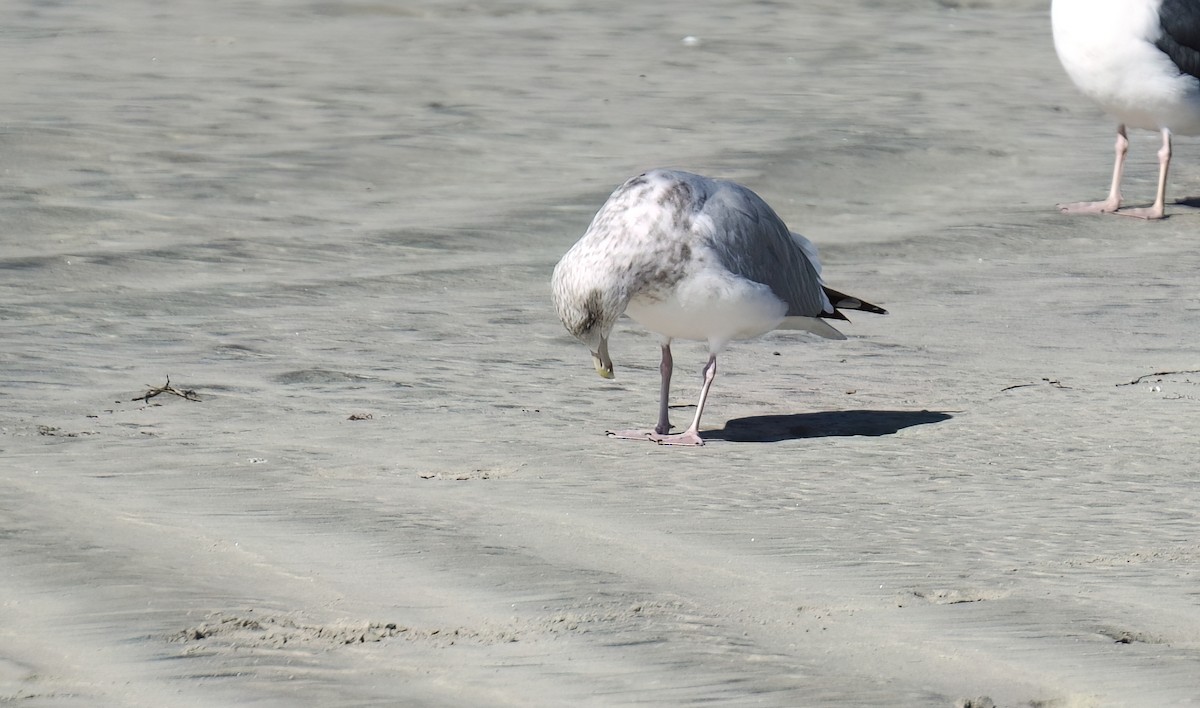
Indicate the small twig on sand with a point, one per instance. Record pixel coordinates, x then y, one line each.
167 388
1054 383
1141 378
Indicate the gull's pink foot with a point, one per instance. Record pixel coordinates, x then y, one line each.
1150 213
685 438
650 435
1105 207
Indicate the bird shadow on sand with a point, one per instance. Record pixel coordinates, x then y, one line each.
823 424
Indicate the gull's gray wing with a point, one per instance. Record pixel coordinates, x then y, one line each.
753 242
1180 38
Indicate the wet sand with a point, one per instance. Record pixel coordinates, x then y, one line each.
335 223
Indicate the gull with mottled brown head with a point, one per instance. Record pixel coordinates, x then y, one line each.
690 257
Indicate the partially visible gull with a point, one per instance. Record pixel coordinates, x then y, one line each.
690 257
1140 60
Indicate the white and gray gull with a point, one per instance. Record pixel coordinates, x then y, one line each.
690 257
1140 60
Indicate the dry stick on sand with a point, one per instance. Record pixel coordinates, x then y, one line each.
1139 379
1054 383
167 388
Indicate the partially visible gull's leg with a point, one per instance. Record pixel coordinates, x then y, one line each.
664 393
691 436
1114 192
1160 200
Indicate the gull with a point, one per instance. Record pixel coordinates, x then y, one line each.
1140 60
689 257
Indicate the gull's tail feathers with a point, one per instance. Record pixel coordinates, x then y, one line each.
815 325
849 302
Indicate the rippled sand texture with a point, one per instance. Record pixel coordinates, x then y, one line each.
334 222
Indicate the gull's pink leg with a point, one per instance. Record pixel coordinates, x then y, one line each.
1114 192
1160 200
664 392
691 436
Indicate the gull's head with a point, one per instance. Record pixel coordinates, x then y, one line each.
589 314
601 360
590 329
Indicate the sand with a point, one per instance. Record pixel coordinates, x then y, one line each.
335 223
